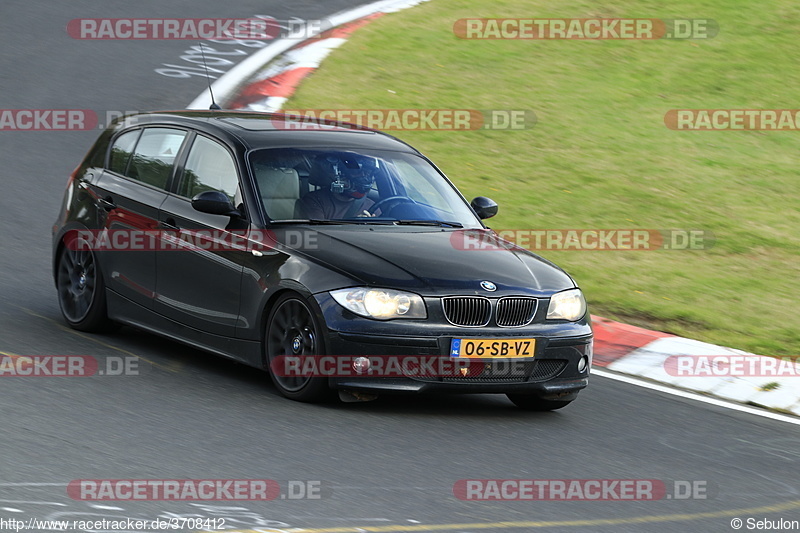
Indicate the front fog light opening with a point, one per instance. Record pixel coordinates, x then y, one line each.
361 365
583 364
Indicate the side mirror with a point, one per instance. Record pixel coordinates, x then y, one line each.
214 203
484 207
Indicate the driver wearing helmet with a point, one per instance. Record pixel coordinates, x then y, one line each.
349 178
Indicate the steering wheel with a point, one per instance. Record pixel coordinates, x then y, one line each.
397 201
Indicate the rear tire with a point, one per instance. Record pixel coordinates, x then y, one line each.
81 289
529 402
292 329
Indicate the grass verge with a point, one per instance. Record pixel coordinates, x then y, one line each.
600 155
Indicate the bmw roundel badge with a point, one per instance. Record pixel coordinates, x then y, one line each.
488 286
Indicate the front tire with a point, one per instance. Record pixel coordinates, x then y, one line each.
293 330
529 402
81 290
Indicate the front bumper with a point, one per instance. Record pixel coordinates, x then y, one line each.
553 372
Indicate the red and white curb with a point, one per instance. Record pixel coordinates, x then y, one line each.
265 80
273 85
651 355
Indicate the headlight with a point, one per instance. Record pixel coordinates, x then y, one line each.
382 304
567 305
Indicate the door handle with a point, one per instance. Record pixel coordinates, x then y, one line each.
107 203
169 224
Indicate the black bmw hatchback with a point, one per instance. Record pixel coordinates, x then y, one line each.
333 257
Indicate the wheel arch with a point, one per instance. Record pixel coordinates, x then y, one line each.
59 243
307 297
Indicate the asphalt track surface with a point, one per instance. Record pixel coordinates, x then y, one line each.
388 465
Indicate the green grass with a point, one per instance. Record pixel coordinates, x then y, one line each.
600 155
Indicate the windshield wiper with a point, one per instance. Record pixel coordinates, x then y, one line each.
368 220
329 222
440 223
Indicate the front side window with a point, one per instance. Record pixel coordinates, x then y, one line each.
155 154
367 186
209 167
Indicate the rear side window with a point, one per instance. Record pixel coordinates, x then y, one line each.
155 154
97 156
122 150
209 167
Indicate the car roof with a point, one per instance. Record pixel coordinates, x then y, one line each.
271 130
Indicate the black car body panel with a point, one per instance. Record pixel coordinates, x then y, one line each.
220 299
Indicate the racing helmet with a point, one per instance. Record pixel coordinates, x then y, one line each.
356 176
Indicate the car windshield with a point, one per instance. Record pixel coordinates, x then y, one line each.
364 186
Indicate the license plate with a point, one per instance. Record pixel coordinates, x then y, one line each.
492 348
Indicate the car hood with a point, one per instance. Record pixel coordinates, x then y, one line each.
432 261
